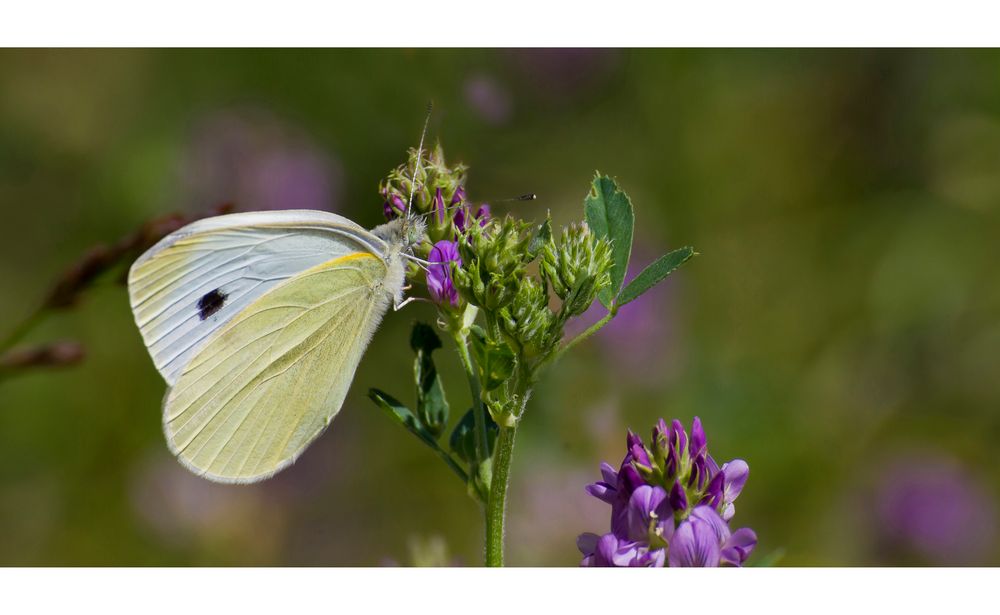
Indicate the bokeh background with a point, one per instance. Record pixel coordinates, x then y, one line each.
840 329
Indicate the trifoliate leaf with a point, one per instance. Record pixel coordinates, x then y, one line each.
609 214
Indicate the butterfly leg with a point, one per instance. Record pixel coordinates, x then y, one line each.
404 302
419 261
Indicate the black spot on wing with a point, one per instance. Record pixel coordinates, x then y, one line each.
211 303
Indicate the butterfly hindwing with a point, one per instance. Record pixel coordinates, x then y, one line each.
269 381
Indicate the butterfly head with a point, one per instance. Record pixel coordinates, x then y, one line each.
402 234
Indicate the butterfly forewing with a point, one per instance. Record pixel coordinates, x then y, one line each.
196 280
271 379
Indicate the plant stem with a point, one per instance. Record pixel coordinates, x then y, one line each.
597 326
496 504
457 469
497 501
478 413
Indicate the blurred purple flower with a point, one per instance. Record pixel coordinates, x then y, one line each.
488 99
935 507
181 509
546 497
563 75
670 502
439 282
259 162
639 344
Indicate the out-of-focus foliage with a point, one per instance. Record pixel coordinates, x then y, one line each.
840 329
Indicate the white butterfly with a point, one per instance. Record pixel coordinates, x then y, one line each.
257 321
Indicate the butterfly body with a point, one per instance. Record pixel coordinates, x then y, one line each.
257 322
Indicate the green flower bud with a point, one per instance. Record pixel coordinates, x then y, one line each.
577 268
494 262
528 321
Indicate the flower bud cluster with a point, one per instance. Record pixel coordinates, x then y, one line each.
577 268
431 181
495 261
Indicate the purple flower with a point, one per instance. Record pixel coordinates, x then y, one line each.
695 544
439 206
641 343
636 449
738 547
257 161
670 503
933 506
650 515
678 497
699 443
610 551
735 474
393 207
459 196
616 489
463 217
488 99
439 282
563 76
704 539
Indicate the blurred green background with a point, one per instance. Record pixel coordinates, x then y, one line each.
840 330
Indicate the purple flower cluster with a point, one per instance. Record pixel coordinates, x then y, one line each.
444 252
395 206
671 504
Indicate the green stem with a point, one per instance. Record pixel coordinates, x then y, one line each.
497 502
450 461
496 505
478 412
597 326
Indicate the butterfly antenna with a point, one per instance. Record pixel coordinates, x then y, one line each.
524 197
420 154
531 196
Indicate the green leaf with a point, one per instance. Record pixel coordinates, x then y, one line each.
542 237
609 214
402 415
654 274
432 405
463 438
495 361
423 337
